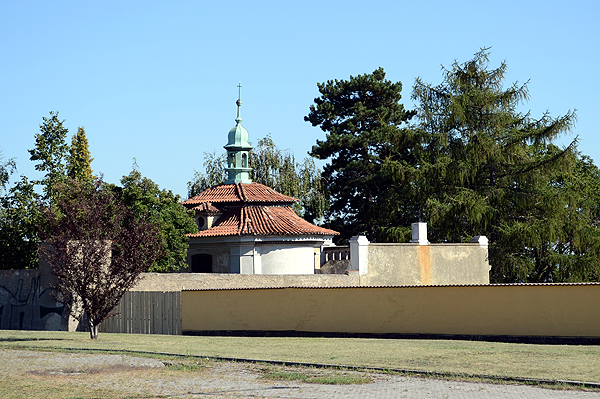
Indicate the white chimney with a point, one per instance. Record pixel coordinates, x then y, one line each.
481 240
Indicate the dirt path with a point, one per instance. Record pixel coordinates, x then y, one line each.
135 377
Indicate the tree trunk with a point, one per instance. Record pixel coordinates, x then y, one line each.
94 331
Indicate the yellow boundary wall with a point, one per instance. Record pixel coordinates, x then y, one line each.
558 310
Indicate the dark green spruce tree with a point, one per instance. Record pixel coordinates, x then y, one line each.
559 239
372 156
492 170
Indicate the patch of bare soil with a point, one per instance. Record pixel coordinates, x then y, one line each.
122 376
137 376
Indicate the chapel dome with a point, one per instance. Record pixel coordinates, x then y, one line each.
238 135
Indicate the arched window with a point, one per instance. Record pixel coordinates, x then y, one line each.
202 263
244 160
232 161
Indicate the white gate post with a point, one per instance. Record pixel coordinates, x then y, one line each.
359 254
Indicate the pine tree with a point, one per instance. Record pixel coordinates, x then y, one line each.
492 170
372 156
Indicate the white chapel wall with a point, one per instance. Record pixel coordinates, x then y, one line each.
284 259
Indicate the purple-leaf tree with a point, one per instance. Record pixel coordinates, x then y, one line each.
97 250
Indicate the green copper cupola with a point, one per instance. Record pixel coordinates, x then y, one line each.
238 152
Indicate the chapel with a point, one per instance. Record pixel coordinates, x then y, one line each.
249 228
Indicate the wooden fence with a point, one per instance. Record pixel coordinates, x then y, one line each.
146 312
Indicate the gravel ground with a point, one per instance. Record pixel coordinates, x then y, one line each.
144 376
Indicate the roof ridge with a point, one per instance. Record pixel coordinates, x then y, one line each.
241 223
241 192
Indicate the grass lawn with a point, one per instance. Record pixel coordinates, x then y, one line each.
548 362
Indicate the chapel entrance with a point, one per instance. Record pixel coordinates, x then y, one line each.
202 263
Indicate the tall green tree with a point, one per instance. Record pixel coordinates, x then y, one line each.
147 201
7 168
492 170
278 169
578 246
50 153
19 222
372 155
214 173
558 240
19 212
78 165
97 249
473 164
60 162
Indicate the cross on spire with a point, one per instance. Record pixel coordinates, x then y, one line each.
238 149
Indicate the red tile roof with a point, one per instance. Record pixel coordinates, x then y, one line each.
262 220
251 209
240 192
207 207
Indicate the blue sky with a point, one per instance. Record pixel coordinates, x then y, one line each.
156 81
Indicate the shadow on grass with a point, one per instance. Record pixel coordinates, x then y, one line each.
33 339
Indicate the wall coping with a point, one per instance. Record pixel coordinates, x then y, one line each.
398 286
415 244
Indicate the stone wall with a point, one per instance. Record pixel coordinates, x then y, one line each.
26 302
387 265
195 281
432 264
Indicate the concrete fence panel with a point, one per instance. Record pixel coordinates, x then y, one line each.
433 264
